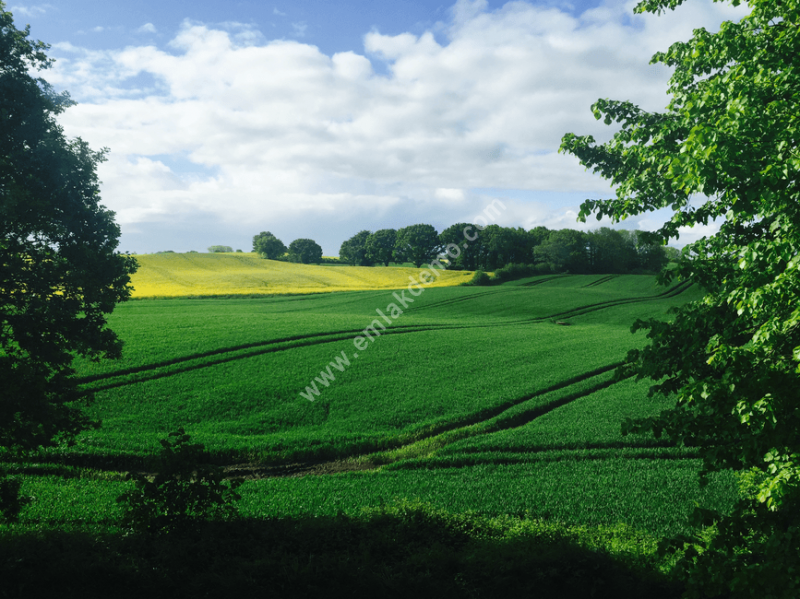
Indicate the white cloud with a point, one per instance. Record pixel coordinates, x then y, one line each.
690 235
449 195
30 11
98 29
147 28
292 135
275 11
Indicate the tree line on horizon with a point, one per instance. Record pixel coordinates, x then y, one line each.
465 246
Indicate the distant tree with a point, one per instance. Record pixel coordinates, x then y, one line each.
220 249
305 251
505 245
538 235
611 251
565 249
672 254
239 252
418 244
266 245
380 246
354 250
468 239
652 255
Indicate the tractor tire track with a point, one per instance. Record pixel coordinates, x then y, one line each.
149 372
237 348
275 345
540 281
675 291
436 437
403 448
456 300
361 458
600 281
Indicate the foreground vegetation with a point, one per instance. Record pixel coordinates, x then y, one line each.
478 435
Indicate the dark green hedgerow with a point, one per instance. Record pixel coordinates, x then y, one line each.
407 550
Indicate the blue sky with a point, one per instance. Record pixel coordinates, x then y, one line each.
319 119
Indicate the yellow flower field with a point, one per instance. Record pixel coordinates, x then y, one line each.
195 274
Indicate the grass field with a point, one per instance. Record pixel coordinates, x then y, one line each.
491 401
196 274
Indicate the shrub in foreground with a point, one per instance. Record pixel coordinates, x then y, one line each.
183 491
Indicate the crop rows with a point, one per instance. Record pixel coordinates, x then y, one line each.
589 422
652 495
243 400
473 399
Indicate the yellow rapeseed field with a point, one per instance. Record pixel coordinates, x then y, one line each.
195 274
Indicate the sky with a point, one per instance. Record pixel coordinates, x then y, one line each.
319 118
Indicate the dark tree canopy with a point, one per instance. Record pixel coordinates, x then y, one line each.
418 244
726 148
380 246
565 250
305 251
505 245
461 234
354 250
266 245
59 272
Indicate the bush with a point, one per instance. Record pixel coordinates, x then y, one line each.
220 249
480 278
11 502
512 272
509 272
184 490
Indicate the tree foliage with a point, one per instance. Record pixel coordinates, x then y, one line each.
305 251
418 244
11 500
471 256
380 246
726 148
184 490
266 245
220 249
505 245
354 250
59 272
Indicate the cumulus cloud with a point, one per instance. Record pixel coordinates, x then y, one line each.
283 133
147 28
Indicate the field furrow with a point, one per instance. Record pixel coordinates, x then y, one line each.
470 399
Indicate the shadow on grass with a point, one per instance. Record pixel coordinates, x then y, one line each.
405 551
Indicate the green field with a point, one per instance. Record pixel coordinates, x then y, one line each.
495 401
